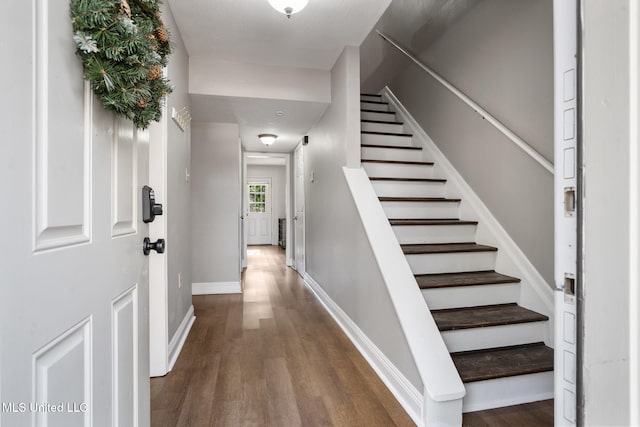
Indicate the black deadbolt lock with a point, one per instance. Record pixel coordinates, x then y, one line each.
148 246
149 206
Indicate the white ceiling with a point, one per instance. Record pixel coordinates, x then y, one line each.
251 31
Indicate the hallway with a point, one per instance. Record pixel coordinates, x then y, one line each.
271 356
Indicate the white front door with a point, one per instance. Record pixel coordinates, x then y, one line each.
258 213
298 171
73 278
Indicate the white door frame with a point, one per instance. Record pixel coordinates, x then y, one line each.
255 158
299 264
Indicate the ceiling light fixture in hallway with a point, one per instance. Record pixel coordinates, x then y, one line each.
267 138
288 7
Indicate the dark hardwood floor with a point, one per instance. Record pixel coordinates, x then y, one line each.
274 357
271 356
537 414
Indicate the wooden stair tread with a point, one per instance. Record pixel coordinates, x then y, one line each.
382 122
451 319
417 199
373 132
402 147
470 278
500 362
397 162
364 110
375 102
383 178
442 248
429 221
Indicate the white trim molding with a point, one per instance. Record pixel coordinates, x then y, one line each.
405 392
214 288
179 338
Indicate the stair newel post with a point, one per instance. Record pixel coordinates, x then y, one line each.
440 414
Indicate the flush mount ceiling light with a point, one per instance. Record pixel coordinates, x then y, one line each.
267 138
288 7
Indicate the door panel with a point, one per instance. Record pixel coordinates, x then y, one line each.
259 213
73 280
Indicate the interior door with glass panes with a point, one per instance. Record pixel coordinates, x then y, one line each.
258 213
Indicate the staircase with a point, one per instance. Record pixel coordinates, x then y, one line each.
496 344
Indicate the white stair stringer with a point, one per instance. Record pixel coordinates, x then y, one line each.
462 203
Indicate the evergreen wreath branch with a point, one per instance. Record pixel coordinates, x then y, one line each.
124 45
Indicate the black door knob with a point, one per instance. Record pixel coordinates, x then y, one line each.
148 246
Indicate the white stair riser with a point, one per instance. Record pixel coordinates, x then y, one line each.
385 117
451 262
382 127
373 106
392 170
376 153
368 138
471 296
408 188
507 391
494 336
420 209
408 234
374 98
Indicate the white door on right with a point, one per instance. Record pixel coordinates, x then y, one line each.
259 213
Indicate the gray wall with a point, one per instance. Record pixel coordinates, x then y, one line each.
338 254
278 184
178 190
215 203
499 53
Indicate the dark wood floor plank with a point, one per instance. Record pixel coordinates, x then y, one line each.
537 414
282 406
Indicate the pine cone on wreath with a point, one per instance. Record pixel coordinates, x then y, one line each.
161 34
155 72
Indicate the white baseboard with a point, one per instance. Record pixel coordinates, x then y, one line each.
177 342
216 288
405 392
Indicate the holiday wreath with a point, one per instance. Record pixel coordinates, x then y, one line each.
123 45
